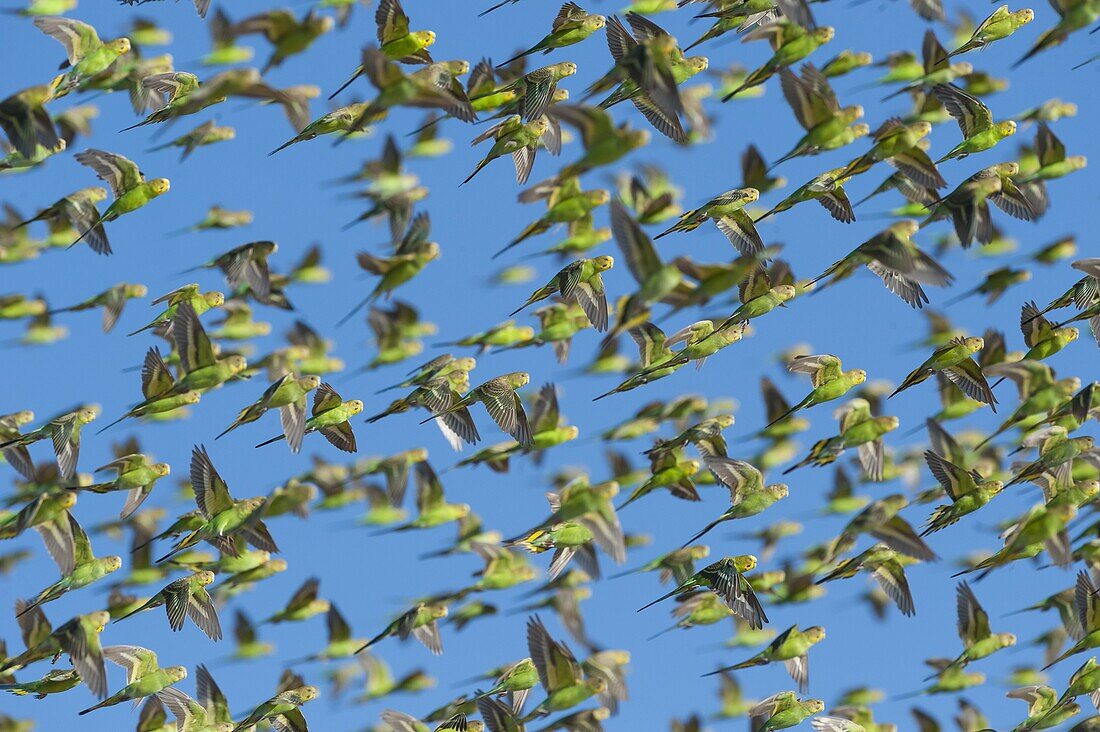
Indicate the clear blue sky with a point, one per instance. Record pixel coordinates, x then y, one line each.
371 579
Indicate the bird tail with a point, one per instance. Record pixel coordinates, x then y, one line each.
665 596
273 439
702 533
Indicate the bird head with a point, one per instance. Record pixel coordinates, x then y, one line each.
309 383
560 95
905 229
890 423
815 633
894 502
204 577
159 186
824 34
863 58
785 292
1008 639
191 397
636 138
237 364
438 611
594 22
1072 334
778 490
859 376
1077 162
355 406
750 195
921 129
161 469
306 693
1007 169
119 45
603 262
814 706
99 620
213 299
137 290
724 420
425 37
466 363
698 64
23 417
974 343
1090 488
566 68
68 499
1006 128
86 415
600 196
1024 16
744 563
572 432
518 379
962 68
525 332
598 685
112 563
277 565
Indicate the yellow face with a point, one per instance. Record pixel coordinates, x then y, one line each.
974 343
601 196
815 705
68 499
780 490
204 577
214 299
277 565
594 22
439 611
1007 128
864 59
1091 488
310 382
604 262
861 130
907 228
572 432
162 469
86 415
892 422
699 552
568 68
120 45
191 397
599 685
816 633
237 364
1008 168
750 195
465 364
113 563
698 64
26 416
356 406
159 186
859 376
1025 15
1072 333
825 34
786 292
427 38
1077 161
308 693
137 290
745 563
100 620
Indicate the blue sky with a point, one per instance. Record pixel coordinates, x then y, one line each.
373 578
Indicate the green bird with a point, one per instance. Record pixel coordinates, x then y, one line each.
978 640
208 715
792 647
287 394
1086 615
330 416
79 638
516 679
200 302
726 578
205 134
1084 680
1000 24
566 203
1038 528
748 494
676 566
980 131
421 622
968 208
18 456
899 145
410 256
571 25
144 677
134 473
668 470
340 643
17 307
64 433
281 709
535 90
395 38
338 120
727 212
604 141
54 682
968 491
1041 337
25 121
829 381
953 359
513 137
78 213
47 514
1055 448
1072 17
791 39
859 429
287 35
560 674
501 402
86 55
113 300
827 189
887 567
126 181
816 109
401 722
436 86
186 597
893 256
157 388
1043 709
933 69
782 711
177 91
303 604
223 517
759 297
580 283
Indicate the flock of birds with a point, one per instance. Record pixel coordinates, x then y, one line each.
195 565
